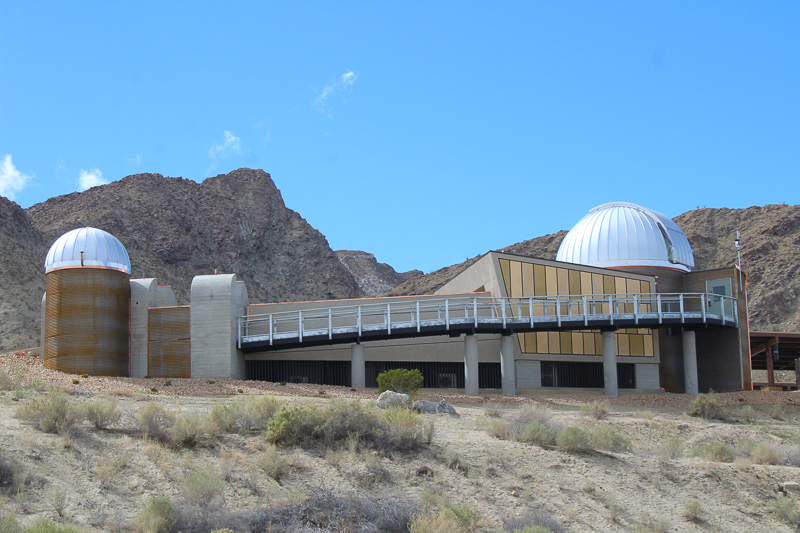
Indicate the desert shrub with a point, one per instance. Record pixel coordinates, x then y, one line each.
154 421
786 510
650 524
6 383
400 380
499 430
46 526
155 516
189 429
465 515
272 464
428 431
8 523
293 425
574 440
102 413
535 432
533 521
776 412
202 487
258 411
707 406
693 510
52 413
596 410
36 385
672 448
329 512
403 429
759 452
747 413
225 418
435 523
369 471
455 462
190 518
714 451
57 498
606 438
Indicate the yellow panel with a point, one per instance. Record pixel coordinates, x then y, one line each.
552 280
540 288
506 271
588 343
530 342
574 281
586 283
634 286
527 279
553 342
566 342
637 345
620 287
541 342
597 284
645 287
598 344
516 278
649 351
563 281
623 344
577 342
608 285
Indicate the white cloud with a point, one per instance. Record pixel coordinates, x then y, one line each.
338 86
90 179
231 145
11 180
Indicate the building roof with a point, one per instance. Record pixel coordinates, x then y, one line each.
100 250
621 234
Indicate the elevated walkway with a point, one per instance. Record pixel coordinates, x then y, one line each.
470 315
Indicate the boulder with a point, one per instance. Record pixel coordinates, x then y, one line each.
444 407
392 399
790 486
425 407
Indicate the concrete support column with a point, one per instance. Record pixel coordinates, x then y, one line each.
357 367
471 365
610 363
143 297
690 363
507 365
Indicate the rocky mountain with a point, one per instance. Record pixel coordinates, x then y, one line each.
770 245
372 277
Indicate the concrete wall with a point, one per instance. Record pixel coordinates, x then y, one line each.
41 326
647 377
165 297
143 297
216 302
529 375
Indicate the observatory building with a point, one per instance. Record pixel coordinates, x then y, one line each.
618 308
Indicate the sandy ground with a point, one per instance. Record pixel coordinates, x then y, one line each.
106 475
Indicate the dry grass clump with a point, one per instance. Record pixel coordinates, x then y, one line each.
786 510
52 413
272 464
776 411
203 487
747 414
649 524
155 516
759 452
102 413
392 429
707 406
596 410
530 424
245 415
693 510
714 451
154 421
533 521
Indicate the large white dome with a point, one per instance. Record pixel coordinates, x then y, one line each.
100 249
620 234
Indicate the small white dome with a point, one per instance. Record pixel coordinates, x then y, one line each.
621 234
100 249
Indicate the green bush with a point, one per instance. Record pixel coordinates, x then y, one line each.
202 486
707 406
714 451
293 425
188 430
573 440
400 380
596 410
535 432
53 413
693 510
272 464
155 516
102 413
606 438
154 421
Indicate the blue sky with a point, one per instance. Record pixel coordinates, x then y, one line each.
424 132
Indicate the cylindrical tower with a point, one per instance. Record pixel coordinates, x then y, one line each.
87 309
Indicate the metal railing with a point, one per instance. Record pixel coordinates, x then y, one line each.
519 314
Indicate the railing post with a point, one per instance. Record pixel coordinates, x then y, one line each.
239 341
635 309
446 314
680 306
736 312
503 304
611 308
558 310
658 303
270 329
703 305
300 325
330 323
530 308
358 321
475 309
389 318
585 312
418 319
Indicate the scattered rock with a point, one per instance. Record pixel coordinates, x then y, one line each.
425 407
444 407
425 471
789 486
392 399
683 426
